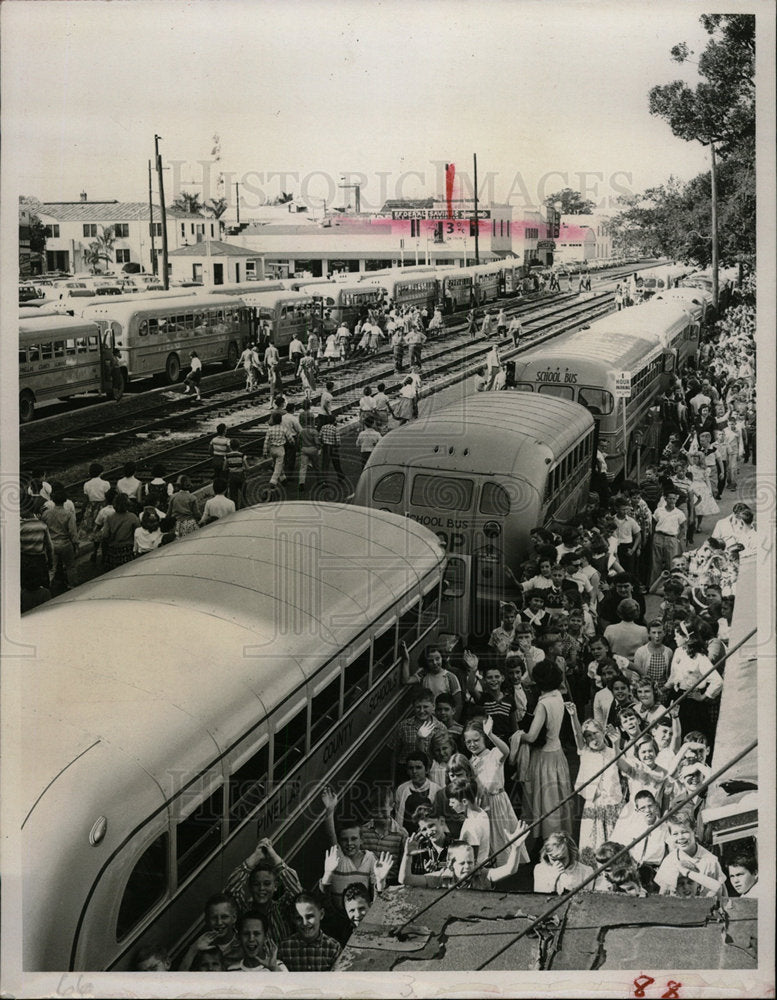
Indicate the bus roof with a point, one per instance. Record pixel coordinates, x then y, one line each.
157 302
164 659
620 351
66 325
270 299
489 433
651 319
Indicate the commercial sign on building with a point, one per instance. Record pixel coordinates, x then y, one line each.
438 213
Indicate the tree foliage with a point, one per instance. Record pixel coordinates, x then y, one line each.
721 108
37 230
188 202
673 220
572 202
101 249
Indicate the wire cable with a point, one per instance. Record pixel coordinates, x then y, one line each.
598 871
537 822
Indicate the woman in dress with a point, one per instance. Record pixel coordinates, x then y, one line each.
488 765
331 351
700 478
184 508
548 782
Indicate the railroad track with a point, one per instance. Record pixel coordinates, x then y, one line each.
445 362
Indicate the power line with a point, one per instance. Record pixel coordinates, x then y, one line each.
598 871
577 791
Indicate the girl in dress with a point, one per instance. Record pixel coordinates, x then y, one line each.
700 478
331 351
642 772
548 783
488 765
184 508
602 797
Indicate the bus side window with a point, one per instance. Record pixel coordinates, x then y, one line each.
46 352
408 625
153 326
357 674
22 355
143 328
59 348
430 608
324 710
248 784
383 652
199 834
146 885
70 348
289 744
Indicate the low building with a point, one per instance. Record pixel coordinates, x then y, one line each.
214 262
600 225
575 244
72 226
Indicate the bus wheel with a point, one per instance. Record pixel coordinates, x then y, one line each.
173 368
232 355
26 406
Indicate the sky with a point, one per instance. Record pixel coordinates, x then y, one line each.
548 95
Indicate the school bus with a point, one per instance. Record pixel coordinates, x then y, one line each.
482 472
200 697
583 367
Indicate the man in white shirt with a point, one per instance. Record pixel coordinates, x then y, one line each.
218 505
651 849
296 350
668 532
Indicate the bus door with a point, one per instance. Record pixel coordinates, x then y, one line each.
457 603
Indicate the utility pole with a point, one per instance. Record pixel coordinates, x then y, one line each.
714 221
237 201
357 194
151 222
477 227
165 273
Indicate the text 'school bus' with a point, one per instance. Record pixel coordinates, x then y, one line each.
482 472
59 357
667 323
416 289
247 666
583 367
346 302
156 336
283 315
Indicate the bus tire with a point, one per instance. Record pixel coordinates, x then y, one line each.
173 368
26 406
232 355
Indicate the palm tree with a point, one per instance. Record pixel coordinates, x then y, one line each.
101 248
189 203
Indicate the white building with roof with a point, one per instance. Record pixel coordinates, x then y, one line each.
213 262
600 226
71 226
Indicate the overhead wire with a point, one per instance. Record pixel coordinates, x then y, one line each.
611 763
565 898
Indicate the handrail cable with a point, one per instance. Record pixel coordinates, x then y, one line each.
487 861
598 871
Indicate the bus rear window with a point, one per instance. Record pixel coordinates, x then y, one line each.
494 500
442 492
563 391
597 401
389 489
